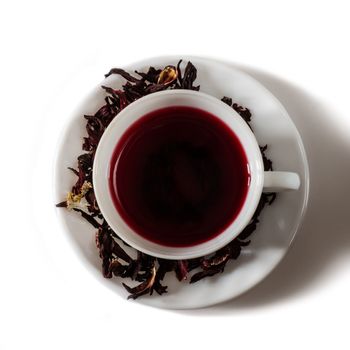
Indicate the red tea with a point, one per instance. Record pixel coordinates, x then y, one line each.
179 176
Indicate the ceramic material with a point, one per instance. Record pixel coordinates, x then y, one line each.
279 222
258 179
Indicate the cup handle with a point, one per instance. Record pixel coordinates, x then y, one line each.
277 181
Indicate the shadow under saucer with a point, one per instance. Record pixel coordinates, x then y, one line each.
324 236
323 239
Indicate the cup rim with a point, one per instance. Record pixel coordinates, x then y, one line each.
138 109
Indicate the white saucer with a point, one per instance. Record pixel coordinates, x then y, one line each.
279 222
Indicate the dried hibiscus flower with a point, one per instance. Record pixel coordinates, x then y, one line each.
147 270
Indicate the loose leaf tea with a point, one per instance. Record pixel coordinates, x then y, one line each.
147 270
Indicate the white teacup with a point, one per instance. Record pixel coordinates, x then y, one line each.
260 180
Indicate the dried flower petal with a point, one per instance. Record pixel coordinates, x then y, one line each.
74 201
118 95
142 288
205 273
159 288
227 100
179 74
181 270
151 76
116 268
216 260
122 73
267 162
249 229
243 112
167 76
190 76
89 218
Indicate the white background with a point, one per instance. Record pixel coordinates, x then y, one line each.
298 49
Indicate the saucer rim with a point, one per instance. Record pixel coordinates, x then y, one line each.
297 225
